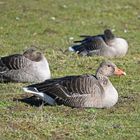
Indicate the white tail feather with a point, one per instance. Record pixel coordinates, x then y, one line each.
71 49
42 95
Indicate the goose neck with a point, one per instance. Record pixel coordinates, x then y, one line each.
102 78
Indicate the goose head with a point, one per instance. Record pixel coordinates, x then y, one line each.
120 45
108 68
108 35
33 54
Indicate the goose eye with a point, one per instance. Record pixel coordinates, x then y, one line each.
109 65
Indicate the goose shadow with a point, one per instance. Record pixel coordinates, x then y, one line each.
32 101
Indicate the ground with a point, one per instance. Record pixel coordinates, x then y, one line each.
51 26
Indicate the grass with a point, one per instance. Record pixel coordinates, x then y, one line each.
50 25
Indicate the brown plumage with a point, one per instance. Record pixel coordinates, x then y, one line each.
104 45
80 91
31 66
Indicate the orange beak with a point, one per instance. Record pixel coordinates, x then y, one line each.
119 72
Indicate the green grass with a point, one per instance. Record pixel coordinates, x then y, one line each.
49 25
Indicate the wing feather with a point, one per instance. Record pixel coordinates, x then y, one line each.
13 62
70 86
90 44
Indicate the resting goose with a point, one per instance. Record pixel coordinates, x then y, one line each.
104 45
31 66
82 90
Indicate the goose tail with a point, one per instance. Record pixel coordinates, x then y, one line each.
71 49
42 95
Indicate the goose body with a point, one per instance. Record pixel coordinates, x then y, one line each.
31 66
80 91
104 45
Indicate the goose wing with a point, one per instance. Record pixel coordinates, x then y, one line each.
87 38
12 62
70 89
90 44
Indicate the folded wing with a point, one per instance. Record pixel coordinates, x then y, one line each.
13 62
90 44
71 90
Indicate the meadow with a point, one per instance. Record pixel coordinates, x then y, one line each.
51 26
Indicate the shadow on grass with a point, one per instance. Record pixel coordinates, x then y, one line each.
37 102
33 101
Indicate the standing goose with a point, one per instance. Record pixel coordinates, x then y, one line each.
31 66
80 91
104 45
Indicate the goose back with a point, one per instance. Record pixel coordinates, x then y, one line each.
105 45
74 91
20 68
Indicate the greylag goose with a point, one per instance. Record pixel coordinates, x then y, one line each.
82 90
104 45
31 66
